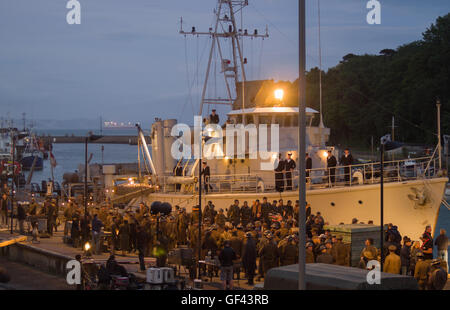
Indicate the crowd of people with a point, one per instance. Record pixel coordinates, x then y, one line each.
250 238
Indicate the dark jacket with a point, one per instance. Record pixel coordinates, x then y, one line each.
97 225
405 255
249 254
346 161
227 256
21 215
309 163
441 242
331 162
324 258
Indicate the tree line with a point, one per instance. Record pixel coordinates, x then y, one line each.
363 92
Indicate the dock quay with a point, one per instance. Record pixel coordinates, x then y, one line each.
117 139
51 255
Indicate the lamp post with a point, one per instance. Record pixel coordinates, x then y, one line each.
302 147
88 138
13 178
381 204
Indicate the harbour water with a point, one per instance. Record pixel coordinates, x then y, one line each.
69 156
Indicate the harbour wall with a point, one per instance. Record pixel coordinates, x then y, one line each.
131 140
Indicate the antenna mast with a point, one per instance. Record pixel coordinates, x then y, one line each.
232 69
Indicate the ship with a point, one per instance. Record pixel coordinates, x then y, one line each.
413 188
111 125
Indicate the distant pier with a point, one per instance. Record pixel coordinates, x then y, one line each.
131 140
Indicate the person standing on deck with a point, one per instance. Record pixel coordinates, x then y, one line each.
289 168
346 161
206 173
331 166
213 117
279 175
178 172
308 167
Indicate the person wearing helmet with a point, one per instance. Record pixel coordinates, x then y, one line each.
421 271
310 253
246 214
269 254
289 253
324 257
220 219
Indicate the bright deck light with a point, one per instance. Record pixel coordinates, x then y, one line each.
279 94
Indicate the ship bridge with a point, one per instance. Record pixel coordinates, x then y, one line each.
283 116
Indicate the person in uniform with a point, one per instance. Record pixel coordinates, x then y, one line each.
308 167
178 171
392 263
220 219
369 252
340 252
438 276
289 253
279 175
234 213
206 173
266 209
421 271
324 257
346 161
331 166
51 216
124 235
415 249
309 253
289 168
246 214
141 244
249 257
288 210
269 254
405 255
209 212
427 245
213 117
237 245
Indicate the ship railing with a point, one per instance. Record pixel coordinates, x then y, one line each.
370 173
352 175
237 183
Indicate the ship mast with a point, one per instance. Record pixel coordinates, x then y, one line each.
233 70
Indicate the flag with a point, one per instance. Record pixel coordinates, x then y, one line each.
385 139
53 160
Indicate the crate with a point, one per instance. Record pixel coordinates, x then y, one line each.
354 236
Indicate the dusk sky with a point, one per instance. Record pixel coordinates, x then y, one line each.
127 61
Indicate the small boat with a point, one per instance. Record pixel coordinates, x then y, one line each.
28 159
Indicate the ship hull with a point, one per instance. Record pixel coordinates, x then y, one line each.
27 163
342 204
